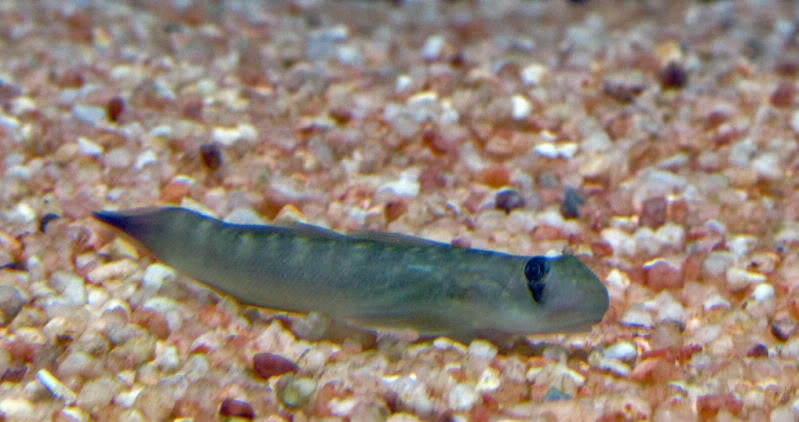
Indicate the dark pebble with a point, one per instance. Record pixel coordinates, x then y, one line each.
211 155
674 76
508 200
47 218
782 329
572 200
269 364
758 351
114 108
236 408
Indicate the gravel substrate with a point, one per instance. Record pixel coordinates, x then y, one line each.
657 139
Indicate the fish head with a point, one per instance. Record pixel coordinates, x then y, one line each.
562 295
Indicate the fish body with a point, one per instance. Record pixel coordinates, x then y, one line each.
377 280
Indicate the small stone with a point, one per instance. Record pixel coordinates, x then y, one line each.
572 200
16 409
11 302
56 387
167 358
211 156
717 263
739 279
674 75
269 364
653 212
708 406
758 351
637 316
433 46
232 408
295 392
662 274
77 363
114 108
768 166
119 158
495 176
145 159
489 381
533 74
782 329
88 114
226 136
763 292
156 275
113 270
463 397
623 351
508 200
88 147
520 107
407 185
70 285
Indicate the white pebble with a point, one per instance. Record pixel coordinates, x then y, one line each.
127 398
716 301
70 285
16 409
623 350
533 74
88 114
226 136
615 366
521 107
156 274
671 311
739 279
489 380
763 292
22 105
244 215
671 235
637 316
432 47
145 159
406 186
74 414
768 166
56 387
22 214
618 279
403 83
463 396
741 245
166 357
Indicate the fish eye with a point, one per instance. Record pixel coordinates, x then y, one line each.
535 270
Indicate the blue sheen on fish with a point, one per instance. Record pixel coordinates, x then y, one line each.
373 279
